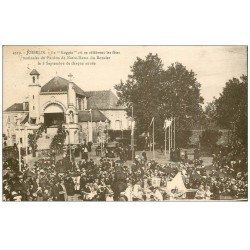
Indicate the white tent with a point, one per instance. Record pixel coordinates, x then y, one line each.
176 183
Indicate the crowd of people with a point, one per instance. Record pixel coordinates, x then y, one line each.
115 180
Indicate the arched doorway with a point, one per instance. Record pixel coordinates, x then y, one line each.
53 115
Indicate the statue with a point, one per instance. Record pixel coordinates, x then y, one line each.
71 117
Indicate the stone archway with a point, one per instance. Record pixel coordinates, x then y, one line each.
54 114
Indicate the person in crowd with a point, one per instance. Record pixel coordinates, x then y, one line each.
172 195
200 194
70 188
108 180
137 191
144 156
157 196
207 193
62 191
84 151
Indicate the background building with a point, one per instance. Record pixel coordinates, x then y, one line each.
85 114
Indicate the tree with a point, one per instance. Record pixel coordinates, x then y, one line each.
209 138
209 115
142 91
32 140
231 108
58 140
181 96
155 92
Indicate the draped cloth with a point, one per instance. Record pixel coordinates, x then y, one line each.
176 183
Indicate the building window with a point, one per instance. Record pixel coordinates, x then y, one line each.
118 125
33 120
21 140
15 119
82 102
76 102
85 103
34 79
33 107
33 97
79 104
13 139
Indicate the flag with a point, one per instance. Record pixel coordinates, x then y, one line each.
167 123
151 121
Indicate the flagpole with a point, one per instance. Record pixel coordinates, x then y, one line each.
169 140
174 133
171 135
154 138
132 135
165 141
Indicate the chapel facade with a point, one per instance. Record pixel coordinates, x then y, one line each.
84 114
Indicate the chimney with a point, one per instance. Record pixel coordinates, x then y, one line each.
25 105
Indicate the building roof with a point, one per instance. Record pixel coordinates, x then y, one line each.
17 107
104 99
34 72
59 84
97 116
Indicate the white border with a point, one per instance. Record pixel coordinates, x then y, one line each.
189 225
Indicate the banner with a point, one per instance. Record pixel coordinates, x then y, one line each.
151 122
167 123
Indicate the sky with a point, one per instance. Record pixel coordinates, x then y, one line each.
213 66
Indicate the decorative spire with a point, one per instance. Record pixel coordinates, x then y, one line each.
70 77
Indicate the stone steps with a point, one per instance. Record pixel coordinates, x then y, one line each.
45 141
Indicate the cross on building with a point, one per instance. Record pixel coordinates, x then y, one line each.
70 76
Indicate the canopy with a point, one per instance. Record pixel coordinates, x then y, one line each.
177 183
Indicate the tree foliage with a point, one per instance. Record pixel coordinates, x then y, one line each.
32 139
209 138
231 108
159 93
58 140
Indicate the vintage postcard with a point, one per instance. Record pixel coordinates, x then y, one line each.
124 123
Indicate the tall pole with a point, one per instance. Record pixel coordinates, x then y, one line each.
19 155
69 143
165 141
153 138
19 148
107 135
91 120
174 133
169 140
122 129
132 134
171 135
26 146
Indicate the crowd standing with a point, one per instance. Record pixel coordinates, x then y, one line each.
114 180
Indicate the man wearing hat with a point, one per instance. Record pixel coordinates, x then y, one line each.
62 191
84 150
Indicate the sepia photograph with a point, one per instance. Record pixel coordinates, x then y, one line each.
124 123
